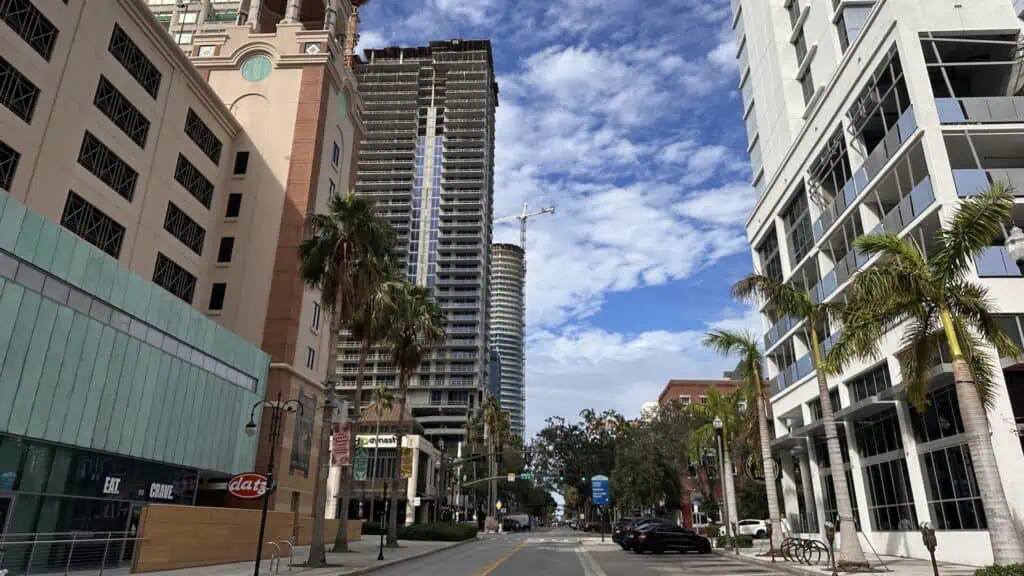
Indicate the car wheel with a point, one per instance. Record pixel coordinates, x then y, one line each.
705 550
658 550
761 533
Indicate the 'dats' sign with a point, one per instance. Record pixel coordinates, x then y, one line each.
248 486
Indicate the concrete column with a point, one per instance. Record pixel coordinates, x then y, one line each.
292 11
789 495
204 13
410 487
174 21
255 13
330 15
811 520
351 37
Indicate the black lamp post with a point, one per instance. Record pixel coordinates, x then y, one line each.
383 520
277 410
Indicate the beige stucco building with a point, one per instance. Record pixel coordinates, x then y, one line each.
195 174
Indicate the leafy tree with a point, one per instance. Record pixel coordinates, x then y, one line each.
789 300
340 257
725 408
729 342
382 401
927 291
416 325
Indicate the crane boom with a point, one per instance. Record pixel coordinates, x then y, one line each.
523 217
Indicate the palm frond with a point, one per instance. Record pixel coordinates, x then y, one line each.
902 252
976 222
971 303
785 298
919 355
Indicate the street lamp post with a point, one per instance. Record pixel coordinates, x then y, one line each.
928 535
383 522
277 410
717 423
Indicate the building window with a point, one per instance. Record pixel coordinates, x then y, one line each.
185 229
310 358
703 399
798 226
234 206
684 400
807 86
941 420
217 296
134 61
330 187
952 489
121 112
316 316
227 248
815 405
878 434
794 12
890 500
241 163
173 278
870 383
832 506
183 38
92 225
201 134
335 154
850 23
768 253
9 158
95 157
28 22
193 180
17 93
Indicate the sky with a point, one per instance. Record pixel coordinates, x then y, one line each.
628 121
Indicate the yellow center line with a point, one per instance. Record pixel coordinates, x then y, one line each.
499 561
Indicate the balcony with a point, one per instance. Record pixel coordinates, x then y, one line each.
909 208
995 262
792 374
779 330
971 182
845 268
981 110
861 180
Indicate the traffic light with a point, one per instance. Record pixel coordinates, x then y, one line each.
584 479
561 477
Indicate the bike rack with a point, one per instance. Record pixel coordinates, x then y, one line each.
275 555
291 553
803 550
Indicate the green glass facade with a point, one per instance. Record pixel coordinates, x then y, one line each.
93 355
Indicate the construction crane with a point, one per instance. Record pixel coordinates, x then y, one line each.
523 217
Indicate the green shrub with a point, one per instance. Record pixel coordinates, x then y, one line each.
438 532
744 541
1008 570
712 530
371 529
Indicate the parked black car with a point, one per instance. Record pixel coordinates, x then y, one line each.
658 538
623 535
510 525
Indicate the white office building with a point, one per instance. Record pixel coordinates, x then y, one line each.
862 117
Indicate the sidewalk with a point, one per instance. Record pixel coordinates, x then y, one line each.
361 559
895 565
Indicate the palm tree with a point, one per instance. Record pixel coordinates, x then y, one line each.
382 400
367 325
928 290
788 300
417 324
725 407
728 342
337 258
496 431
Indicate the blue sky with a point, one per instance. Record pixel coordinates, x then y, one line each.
626 116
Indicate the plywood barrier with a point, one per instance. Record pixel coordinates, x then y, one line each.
187 536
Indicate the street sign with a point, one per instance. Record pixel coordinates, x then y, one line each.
526 476
599 490
498 505
362 464
511 476
248 486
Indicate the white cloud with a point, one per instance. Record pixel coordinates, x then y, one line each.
728 204
369 39
724 55
475 12
578 368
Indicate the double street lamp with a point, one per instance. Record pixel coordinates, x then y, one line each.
277 411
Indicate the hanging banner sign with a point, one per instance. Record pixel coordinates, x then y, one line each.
359 472
339 444
382 441
406 463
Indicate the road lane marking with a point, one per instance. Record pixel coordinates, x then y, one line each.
499 562
590 566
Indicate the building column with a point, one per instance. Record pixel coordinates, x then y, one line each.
204 13
174 21
789 495
807 483
351 37
410 486
330 15
292 11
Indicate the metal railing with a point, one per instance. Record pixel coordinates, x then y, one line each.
980 110
66 552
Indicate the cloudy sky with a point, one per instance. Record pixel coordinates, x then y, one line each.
628 121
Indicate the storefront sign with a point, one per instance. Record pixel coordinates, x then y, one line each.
339 444
112 486
406 462
248 486
382 441
161 491
362 464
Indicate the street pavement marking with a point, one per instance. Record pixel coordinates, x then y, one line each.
499 561
590 566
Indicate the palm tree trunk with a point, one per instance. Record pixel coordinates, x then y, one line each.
1002 530
349 480
730 492
376 468
768 465
393 513
317 551
850 552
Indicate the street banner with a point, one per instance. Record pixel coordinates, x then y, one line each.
406 462
339 444
599 490
359 472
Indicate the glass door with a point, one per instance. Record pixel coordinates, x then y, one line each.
6 506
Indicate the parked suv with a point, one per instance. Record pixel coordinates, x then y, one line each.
755 528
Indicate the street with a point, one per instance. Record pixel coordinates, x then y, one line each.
565 552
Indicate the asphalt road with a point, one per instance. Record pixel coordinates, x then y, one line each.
563 552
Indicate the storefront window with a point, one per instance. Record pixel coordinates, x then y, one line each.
953 495
878 434
831 506
941 420
870 383
890 500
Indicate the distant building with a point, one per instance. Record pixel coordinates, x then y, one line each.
689 391
494 374
648 410
507 330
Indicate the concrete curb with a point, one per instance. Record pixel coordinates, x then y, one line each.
779 565
392 563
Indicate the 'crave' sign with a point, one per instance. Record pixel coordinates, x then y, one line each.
248 486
